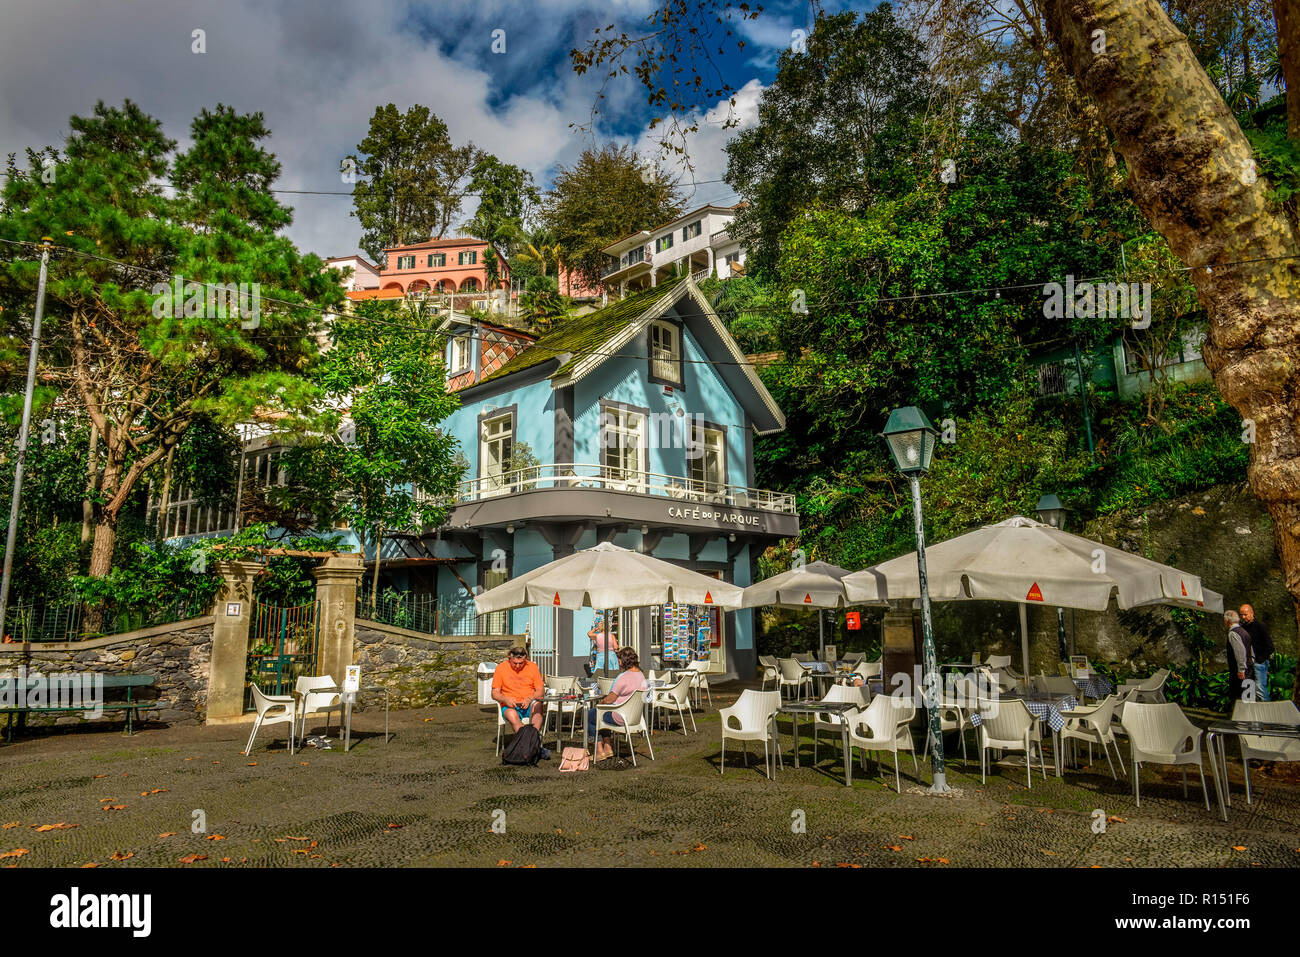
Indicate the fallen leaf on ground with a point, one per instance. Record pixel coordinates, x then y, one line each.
113 807
123 855
699 847
225 860
89 864
56 827
99 775
846 864
167 834
191 858
1115 819
303 763
1048 853
892 847
503 863
17 852
392 825
10 824
281 840
215 837
145 794
1238 847
252 764
907 837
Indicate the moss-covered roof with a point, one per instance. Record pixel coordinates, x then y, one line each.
583 335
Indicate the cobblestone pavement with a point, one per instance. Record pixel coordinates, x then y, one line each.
431 795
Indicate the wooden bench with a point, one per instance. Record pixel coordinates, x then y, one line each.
49 687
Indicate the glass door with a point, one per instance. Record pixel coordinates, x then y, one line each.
494 455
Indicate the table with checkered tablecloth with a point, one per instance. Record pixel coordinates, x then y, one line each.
1094 686
1044 709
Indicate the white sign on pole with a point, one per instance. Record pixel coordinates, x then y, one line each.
352 679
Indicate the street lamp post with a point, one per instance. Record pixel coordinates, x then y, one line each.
910 437
1052 512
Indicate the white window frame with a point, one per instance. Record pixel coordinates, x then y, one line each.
458 355
698 468
493 481
623 459
665 341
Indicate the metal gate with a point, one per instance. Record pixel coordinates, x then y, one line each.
282 646
541 632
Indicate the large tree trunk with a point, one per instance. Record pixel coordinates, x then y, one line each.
92 480
1287 15
1192 173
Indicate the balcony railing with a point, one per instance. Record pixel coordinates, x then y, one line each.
613 479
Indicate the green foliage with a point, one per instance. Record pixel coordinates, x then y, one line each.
834 128
506 196
604 196
366 471
414 178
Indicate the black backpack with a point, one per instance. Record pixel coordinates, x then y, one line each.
524 748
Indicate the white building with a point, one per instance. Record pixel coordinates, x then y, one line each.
365 275
696 242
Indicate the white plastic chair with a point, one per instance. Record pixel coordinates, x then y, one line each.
1094 726
1258 747
701 681
770 669
1055 684
605 685
839 694
632 711
678 698
886 723
1161 734
1150 690
803 657
1009 726
313 700
268 713
957 716
751 718
561 685
997 661
853 657
793 675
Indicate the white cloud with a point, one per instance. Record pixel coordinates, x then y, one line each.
705 148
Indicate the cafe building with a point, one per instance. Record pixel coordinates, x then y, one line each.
633 424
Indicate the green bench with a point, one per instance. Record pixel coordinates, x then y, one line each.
47 694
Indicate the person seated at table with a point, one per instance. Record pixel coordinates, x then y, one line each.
518 688
629 682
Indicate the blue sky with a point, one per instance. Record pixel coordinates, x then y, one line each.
318 68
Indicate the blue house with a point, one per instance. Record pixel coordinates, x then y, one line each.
633 424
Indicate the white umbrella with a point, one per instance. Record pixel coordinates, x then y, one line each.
1025 561
815 585
607 576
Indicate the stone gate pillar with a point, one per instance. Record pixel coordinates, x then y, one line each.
336 589
234 614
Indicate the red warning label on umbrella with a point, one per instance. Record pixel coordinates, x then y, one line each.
1035 593
557 599
708 598
807 599
1184 586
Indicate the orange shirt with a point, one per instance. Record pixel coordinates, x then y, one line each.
520 685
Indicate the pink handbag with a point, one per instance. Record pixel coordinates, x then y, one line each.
575 759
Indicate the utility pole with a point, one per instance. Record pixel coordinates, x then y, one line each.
23 432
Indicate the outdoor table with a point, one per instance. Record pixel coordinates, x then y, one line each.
1044 707
347 698
814 708
1094 686
584 701
1218 752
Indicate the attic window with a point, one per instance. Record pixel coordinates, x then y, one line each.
665 353
458 355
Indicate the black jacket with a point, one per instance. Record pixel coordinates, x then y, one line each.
1261 642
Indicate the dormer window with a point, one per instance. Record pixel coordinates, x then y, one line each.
665 353
458 355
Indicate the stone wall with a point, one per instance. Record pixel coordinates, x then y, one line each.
177 655
424 670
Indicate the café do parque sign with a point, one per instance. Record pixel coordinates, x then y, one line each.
709 515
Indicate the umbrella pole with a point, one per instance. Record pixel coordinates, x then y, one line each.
821 637
1024 640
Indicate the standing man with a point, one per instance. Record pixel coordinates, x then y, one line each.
1240 662
1261 643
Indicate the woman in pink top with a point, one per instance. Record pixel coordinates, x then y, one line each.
629 682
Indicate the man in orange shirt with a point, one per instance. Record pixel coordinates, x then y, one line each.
517 687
